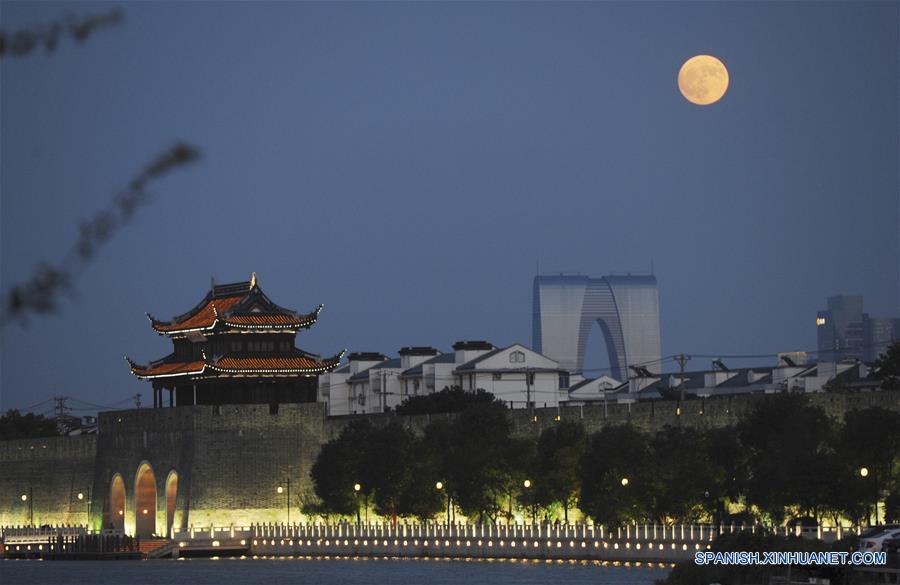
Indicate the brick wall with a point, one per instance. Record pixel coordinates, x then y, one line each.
53 471
230 462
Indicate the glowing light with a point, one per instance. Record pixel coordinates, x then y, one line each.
24 497
80 496
703 80
439 485
527 483
145 511
356 487
279 489
864 471
820 321
624 481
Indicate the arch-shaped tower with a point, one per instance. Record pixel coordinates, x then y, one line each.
625 307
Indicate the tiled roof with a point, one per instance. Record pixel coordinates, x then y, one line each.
167 369
299 364
252 319
204 318
239 305
295 364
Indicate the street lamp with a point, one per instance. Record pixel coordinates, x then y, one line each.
864 473
527 484
440 486
356 488
624 481
30 501
280 490
85 496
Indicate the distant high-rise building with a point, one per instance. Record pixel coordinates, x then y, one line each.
845 332
625 307
881 332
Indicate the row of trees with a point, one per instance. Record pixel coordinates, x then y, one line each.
786 459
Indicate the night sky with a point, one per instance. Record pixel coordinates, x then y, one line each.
411 165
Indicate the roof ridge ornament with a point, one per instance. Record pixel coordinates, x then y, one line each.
253 284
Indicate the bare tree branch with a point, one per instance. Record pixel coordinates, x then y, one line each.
23 41
41 294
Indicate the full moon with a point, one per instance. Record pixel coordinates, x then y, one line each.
703 80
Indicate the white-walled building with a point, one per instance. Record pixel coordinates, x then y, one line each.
791 375
516 375
372 383
594 389
335 386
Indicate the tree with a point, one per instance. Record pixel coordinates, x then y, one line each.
887 367
786 438
477 464
339 466
869 439
450 399
14 425
682 475
518 464
559 452
728 459
614 474
388 461
419 496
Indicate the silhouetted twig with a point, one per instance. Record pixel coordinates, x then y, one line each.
24 41
41 294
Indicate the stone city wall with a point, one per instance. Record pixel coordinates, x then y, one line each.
230 460
50 472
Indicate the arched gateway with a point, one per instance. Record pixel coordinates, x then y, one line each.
145 501
117 503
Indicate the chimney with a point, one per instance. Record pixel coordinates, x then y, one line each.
411 357
469 350
363 360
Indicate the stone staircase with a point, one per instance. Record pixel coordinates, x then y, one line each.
154 548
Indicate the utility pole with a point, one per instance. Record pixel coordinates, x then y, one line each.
60 412
528 392
681 359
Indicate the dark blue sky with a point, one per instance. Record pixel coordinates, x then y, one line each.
409 165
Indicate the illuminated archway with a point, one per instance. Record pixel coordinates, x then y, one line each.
145 501
117 503
171 498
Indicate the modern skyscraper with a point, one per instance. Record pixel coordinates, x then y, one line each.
845 332
625 307
840 328
880 333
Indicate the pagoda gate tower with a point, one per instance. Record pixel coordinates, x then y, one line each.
235 347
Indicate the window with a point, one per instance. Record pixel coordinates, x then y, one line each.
498 376
564 379
517 357
236 346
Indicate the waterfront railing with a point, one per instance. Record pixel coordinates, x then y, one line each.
683 533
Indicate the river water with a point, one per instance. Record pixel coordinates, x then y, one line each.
324 572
